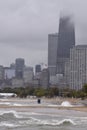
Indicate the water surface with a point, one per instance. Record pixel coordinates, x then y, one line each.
40 118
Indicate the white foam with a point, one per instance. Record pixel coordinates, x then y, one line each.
66 104
16 104
47 122
5 103
53 105
7 124
66 121
57 123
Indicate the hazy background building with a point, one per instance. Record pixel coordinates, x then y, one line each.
1 72
37 69
9 73
19 64
16 82
28 75
44 78
12 66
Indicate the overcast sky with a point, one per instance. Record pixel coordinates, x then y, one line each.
25 25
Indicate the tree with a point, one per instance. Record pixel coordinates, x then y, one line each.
53 92
84 88
39 92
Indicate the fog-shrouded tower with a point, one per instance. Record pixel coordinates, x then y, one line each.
66 40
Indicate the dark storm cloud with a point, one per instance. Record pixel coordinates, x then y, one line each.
25 25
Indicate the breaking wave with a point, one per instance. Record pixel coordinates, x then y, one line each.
7 124
66 104
13 113
48 122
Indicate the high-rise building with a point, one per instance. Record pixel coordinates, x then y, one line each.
52 53
67 73
28 74
19 63
44 78
37 68
1 72
9 73
78 66
12 66
66 40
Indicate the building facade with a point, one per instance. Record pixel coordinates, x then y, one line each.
28 75
52 53
16 83
44 78
67 73
78 66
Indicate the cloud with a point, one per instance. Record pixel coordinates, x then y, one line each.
25 25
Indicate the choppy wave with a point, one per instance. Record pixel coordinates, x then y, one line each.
35 121
14 113
11 104
66 121
14 119
7 124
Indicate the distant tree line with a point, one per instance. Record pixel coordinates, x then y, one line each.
50 92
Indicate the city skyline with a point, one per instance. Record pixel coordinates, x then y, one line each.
25 25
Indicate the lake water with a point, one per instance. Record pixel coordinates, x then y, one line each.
41 118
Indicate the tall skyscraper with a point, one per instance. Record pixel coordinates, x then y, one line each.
66 40
52 53
78 66
19 63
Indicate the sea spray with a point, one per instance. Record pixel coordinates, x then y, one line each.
66 104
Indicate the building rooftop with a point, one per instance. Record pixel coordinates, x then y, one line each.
84 45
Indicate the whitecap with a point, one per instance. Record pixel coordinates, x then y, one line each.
57 123
7 124
16 104
5 103
35 121
66 104
66 121
13 112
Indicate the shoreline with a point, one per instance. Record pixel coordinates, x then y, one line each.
45 103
